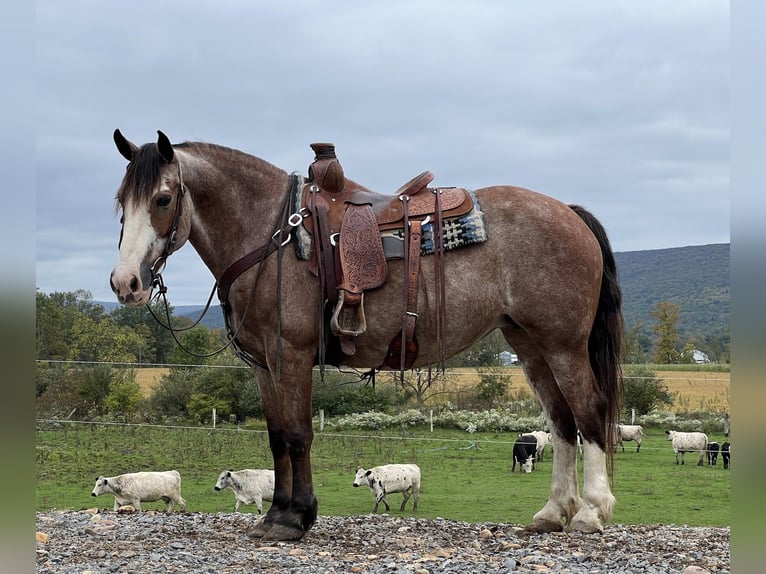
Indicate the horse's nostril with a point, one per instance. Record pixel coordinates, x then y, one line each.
134 284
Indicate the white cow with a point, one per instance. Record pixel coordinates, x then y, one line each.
136 487
688 442
630 432
543 440
249 486
383 480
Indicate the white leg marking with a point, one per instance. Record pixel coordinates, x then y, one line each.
598 501
564 500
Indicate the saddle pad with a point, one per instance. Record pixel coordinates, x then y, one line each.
457 232
460 231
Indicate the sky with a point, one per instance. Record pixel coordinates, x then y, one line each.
616 105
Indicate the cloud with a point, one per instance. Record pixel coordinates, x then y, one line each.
618 106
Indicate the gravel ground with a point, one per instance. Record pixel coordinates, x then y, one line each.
84 542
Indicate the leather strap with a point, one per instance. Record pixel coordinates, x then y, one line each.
322 251
244 263
441 293
410 317
403 348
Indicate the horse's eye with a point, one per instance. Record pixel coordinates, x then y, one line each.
163 201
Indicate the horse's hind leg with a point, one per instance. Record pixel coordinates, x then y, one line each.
577 383
564 500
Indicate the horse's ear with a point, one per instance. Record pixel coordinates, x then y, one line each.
164 147
126 148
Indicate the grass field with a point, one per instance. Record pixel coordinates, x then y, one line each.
465 477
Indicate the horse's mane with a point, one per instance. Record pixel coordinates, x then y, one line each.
141 174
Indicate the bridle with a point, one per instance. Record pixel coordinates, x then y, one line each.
281 236
159 264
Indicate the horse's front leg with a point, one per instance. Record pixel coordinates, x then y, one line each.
287 405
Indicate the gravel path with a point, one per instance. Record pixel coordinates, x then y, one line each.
83 542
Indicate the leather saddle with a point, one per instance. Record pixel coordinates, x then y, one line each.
346 248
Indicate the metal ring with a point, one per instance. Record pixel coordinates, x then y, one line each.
296 218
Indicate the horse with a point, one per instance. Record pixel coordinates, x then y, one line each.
545 276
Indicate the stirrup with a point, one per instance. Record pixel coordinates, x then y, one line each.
348 317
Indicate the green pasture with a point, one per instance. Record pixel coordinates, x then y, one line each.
464 477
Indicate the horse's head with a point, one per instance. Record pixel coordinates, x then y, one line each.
155 221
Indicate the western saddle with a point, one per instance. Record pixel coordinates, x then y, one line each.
347 252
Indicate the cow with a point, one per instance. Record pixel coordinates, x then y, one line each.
726 454
684 442
712 453
543 439
248 485
524 450
136 487
628 433
383 480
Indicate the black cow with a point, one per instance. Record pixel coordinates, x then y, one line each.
726 454
712 453
524 452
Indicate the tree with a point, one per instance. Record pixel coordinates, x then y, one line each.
636 344
492 386
56 315
158 342
195 344
665 327
123 398
643 390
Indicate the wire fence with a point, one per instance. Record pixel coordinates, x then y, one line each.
471 440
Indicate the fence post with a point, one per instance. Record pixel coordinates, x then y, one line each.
431 418
213 417
632 416
321 420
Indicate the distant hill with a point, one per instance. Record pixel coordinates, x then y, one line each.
696 278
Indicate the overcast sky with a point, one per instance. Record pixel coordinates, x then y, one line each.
617 105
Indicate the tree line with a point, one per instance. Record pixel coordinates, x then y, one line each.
87 359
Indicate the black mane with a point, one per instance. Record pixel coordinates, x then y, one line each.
141 174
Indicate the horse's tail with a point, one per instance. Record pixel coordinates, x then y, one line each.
605 342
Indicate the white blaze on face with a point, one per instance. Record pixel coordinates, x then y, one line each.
139 242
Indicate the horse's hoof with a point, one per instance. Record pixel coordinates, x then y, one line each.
283 533
543 527
259 529
585 527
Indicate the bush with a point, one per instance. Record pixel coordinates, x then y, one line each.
172 394
643 390
338 396
491 388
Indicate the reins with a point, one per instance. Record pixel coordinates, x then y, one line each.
283 226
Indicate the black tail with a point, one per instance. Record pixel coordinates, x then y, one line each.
605 342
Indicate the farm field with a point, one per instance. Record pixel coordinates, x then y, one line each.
465 477
691 390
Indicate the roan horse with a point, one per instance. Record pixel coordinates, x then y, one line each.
545 277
